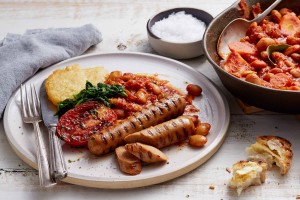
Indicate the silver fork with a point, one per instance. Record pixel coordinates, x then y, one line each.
31 113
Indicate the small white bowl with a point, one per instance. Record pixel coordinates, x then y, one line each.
177 50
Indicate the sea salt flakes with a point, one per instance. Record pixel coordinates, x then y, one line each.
179 27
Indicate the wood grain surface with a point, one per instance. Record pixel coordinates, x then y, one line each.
123 25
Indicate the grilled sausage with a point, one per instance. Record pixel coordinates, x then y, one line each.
163 110
128 163
165 134
146 152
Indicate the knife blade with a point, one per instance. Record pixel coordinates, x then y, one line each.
58 169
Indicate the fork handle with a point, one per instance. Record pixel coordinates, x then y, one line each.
43 165
58 169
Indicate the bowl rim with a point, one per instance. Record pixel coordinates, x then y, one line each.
182 9
214 64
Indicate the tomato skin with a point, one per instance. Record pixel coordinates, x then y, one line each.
78 124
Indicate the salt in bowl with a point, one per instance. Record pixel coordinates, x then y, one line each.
178 49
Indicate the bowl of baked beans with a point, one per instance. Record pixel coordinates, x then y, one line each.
263 67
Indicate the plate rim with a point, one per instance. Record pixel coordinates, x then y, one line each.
122 184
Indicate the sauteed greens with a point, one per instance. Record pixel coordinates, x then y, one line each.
101 92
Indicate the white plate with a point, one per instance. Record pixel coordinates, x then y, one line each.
102 172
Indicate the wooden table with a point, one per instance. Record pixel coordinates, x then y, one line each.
123 25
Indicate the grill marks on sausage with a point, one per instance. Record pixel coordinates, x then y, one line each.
140 121
103 137
165 134
150 132
147 116
145 152
161 111
125 129
132 125
153 112
111 136
119 133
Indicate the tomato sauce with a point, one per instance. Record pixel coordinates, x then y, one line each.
279 68
141 91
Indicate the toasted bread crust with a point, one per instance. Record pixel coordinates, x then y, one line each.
282 154
247 173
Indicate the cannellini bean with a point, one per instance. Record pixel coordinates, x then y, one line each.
292 49
153 88
276 16
292 40
258 64
263 43
202 129
276 70
245 39
295 72
120 113
194 90
142 96
284 11
267 77
253 24
264 55
289 63
127 76
197 140
296 56
277 56
114 75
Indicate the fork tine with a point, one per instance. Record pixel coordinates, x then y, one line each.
35 100
29 107
23 107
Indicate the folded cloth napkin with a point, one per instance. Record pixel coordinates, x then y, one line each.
21 56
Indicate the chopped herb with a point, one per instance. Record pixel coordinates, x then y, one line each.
101 92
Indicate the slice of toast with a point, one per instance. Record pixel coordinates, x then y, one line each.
247 173
272 149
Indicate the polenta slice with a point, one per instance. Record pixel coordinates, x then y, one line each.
65 83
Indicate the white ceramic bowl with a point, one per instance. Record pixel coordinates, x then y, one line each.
177 50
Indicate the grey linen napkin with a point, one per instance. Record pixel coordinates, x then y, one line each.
21 56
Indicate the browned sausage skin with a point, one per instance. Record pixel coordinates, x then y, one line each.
165 134
128 163
146 153
161 111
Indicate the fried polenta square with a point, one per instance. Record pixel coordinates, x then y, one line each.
65 83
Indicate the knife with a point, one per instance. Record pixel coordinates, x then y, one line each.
58 169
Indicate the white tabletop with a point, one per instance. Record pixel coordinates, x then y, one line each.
123 22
